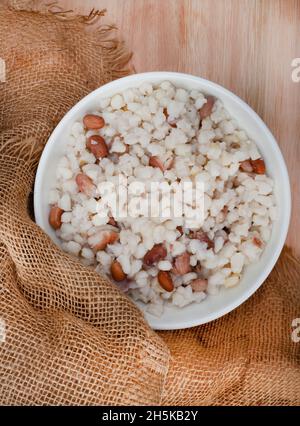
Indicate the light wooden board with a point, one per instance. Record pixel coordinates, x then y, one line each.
244 45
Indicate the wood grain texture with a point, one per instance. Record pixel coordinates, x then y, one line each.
244 45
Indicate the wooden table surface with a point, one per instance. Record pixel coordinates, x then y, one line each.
245 45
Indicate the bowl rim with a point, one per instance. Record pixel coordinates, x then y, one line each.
165 75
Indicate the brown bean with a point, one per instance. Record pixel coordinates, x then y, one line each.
206 109
93 122
246 166
97 146
55 217
85 184
156 162
117 272
162 165
199 285
182 264
258 166
157 253
203 237
100 240
165 280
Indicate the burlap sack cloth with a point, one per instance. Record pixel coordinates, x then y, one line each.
70 336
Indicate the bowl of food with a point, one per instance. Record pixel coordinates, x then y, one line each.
106 178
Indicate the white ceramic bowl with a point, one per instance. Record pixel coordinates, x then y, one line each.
214 306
